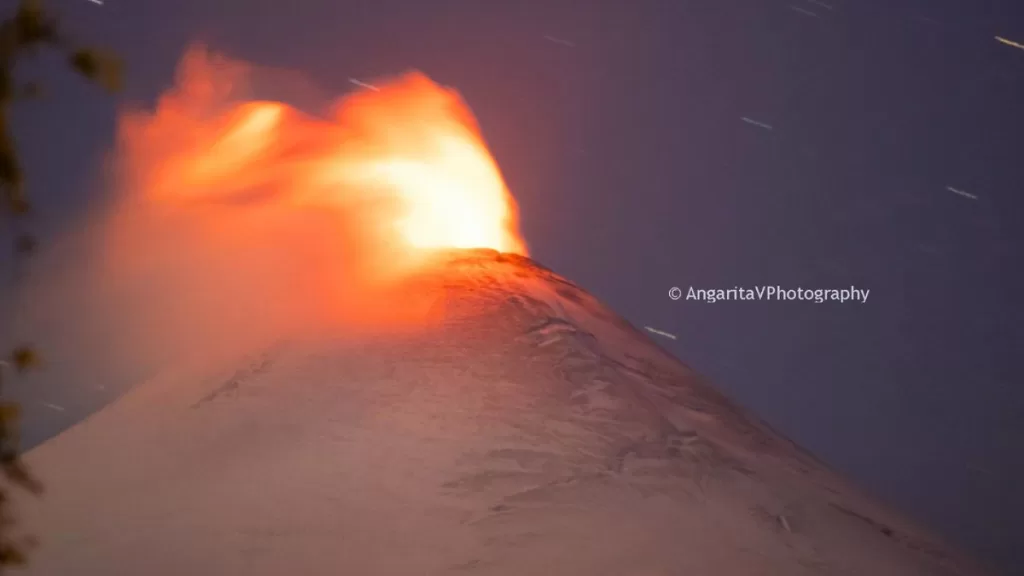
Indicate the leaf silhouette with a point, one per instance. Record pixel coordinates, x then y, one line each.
99 67
31 28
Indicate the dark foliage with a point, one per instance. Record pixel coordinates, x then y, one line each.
30 29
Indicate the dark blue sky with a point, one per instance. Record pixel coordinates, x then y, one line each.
634 172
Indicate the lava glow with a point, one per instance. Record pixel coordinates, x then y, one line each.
421 142
409 144
245 206
236 208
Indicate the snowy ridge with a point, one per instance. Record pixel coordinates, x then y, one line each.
531 431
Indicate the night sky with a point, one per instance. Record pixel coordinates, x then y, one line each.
619 128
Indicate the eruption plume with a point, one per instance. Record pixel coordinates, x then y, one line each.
408 143
234 216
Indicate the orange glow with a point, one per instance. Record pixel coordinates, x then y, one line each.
234 209
410 145
420 141
237 216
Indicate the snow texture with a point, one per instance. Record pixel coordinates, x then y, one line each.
533 431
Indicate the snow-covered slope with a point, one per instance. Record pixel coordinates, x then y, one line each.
531 431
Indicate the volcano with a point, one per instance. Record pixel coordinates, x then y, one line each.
361 371
524 429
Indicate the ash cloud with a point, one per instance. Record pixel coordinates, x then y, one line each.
231 222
